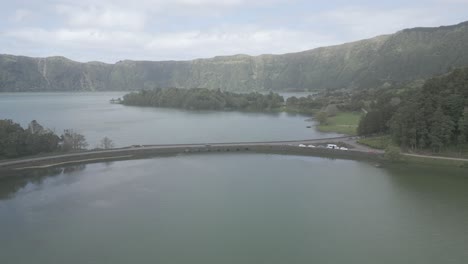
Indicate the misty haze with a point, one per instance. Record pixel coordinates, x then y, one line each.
233 131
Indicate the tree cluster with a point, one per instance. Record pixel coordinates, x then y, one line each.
204 99
382 109
16 141
305 104
434 116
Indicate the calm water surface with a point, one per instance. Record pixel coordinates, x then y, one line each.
235 209
92 115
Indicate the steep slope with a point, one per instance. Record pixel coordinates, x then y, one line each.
407 55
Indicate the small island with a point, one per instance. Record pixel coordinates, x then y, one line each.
204 99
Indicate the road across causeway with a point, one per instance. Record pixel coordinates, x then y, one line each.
350 141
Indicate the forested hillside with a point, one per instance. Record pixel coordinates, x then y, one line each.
434 116
407 55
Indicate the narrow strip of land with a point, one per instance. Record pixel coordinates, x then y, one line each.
121 153
434 157
309 147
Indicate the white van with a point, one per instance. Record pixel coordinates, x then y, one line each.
332 146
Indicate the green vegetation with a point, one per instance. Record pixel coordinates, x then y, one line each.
16 141
393 154
382 61
309 104
204 99
325 107
455 151
435 162
343 122
379 142
322 118
433 117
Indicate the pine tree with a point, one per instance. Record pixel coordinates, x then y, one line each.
441 130
462 137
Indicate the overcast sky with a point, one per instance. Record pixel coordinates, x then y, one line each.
105 30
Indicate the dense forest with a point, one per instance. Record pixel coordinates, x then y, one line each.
204 99
433 117
15 141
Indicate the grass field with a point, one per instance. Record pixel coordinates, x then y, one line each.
381 142
449 152
343 122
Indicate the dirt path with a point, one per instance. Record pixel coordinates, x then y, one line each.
434 157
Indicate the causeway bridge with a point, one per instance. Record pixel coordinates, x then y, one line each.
354 151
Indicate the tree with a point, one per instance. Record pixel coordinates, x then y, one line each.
72 140
371 123
441 130
393 154
321 117
35 128
462 130
331 110
106 143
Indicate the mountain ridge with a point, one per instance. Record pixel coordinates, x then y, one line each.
392 59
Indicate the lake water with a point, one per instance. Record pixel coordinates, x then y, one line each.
235 208
228 208
92 115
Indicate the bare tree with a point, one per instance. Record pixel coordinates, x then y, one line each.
106 143
35 128
72 140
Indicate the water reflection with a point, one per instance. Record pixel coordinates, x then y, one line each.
246 208
436 198
12 182
423 180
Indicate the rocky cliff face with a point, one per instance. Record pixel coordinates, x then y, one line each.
401 57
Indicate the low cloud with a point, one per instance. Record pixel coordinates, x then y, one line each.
173 45
92 16
367 22
111 30
20 15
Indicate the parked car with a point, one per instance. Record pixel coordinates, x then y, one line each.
343 148
302 146
310 146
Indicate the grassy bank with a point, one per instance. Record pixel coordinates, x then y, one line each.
449 157
380 142
343 122
293 110
435 161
